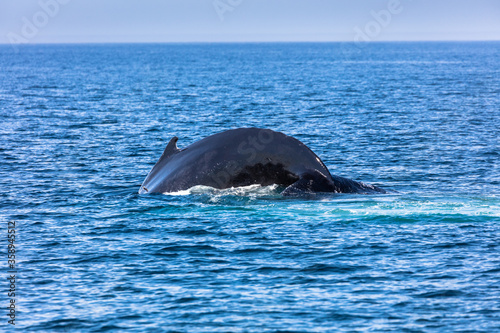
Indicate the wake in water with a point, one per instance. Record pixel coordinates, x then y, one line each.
333 205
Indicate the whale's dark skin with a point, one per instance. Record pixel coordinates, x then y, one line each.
243 157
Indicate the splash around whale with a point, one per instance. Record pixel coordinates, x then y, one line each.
243 157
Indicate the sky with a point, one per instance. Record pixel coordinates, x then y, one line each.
95 21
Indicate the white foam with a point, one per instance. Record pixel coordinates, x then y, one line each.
244 191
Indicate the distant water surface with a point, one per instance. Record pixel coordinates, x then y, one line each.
83 124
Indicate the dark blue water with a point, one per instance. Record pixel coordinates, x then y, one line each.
83 124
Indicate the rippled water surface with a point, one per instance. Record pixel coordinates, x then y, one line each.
83 124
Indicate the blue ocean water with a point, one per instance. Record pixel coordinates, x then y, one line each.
83 124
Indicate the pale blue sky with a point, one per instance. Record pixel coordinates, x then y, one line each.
47 21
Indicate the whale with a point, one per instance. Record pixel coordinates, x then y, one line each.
243 157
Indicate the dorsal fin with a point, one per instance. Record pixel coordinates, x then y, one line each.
171 148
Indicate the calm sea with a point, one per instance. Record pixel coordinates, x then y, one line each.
83 124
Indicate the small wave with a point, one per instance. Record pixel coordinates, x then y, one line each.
441 294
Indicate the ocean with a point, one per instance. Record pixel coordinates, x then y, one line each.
82 125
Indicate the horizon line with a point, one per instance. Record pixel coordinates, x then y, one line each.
255 42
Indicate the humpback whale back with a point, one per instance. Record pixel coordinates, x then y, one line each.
246 156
